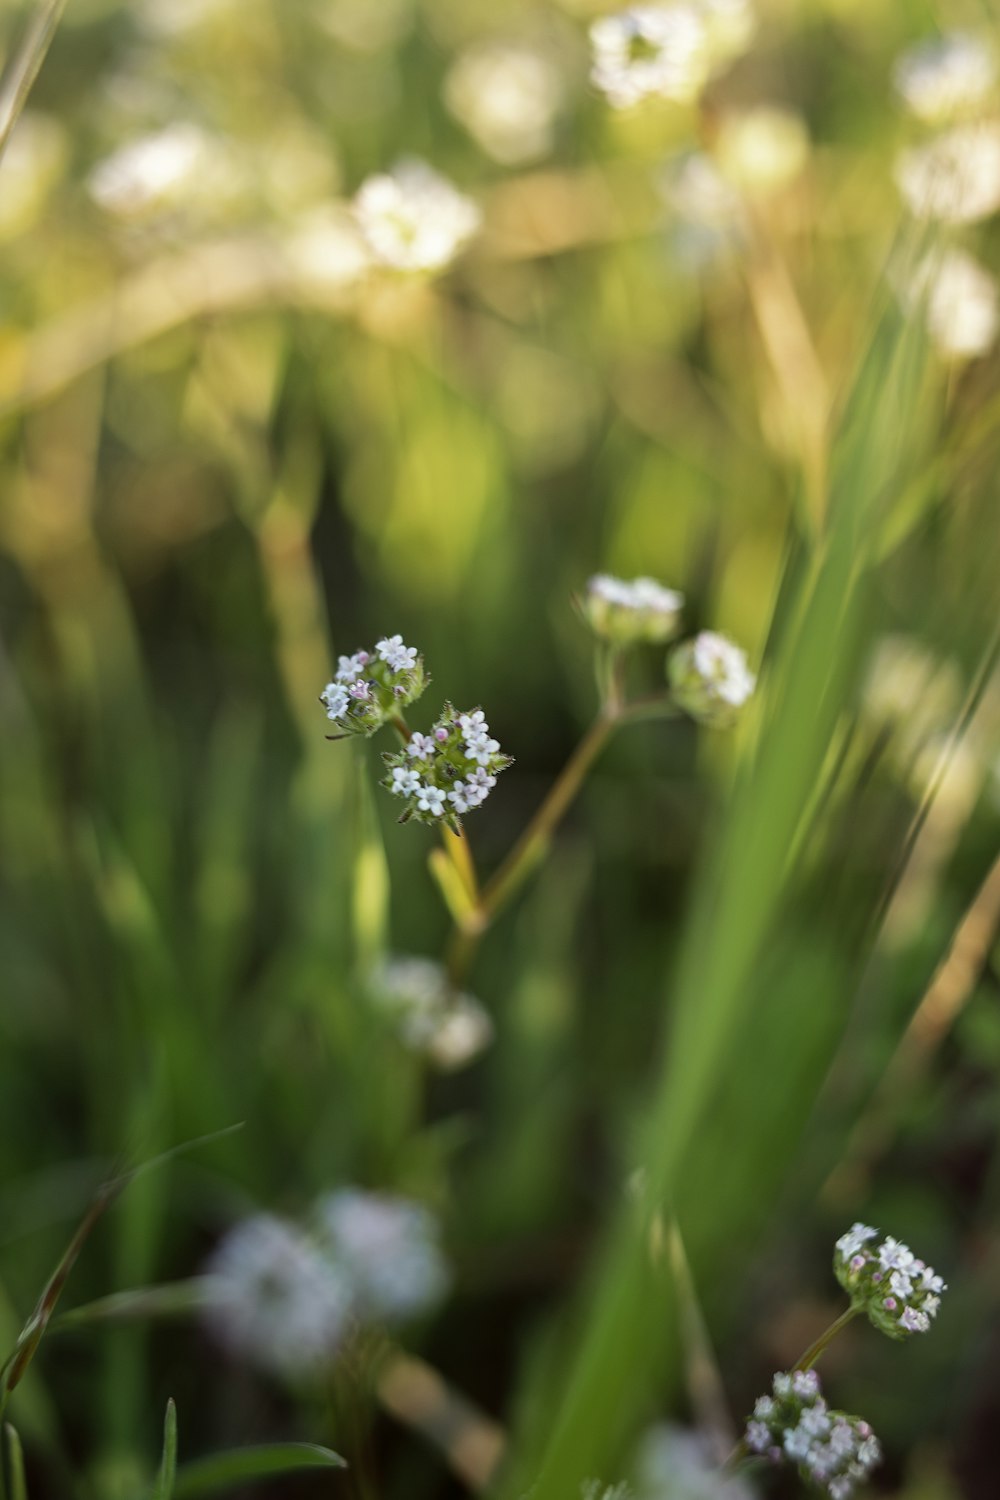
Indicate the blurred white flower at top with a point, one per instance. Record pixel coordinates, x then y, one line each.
157 172
390 1248
32 162
650 51
508 97
955 177
675 1464
762 149
667 51
945 77
271 1295
413 219
961 305
450 1028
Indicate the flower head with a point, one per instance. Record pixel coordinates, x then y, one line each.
709 678
898 1292
274 1297
447 1026
507 97
962 305
831 1449
413 219
946 77
650 51
456 767
955 177
628 612
389 1247
370 687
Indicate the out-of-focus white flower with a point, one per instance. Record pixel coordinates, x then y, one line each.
508 97
33 160
946 77
762 149
962 306
832 1449
156 172
910 689
327 250
271 1295
413 219
709 678
899 1293
675 1464
389 1247
650 51
629 611
449 1028
955 177
706 211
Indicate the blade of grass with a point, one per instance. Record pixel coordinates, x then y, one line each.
17 1484
25 65
223 1471
164 1486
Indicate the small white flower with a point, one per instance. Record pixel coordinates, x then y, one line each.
900 1285
335 699
914 1320
431 800
450 1028
351 667
628 612
390 1248
930 1281
151 172
397 657
955 177
507 97
274 1298
421 746
723 665
482 750
946 76
894 1255
650 51
805 1384
850 1243
963 309
758 1437
413 219
405 782
458 798
473 724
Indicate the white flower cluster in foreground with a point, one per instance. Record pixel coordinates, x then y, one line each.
831 1448
370 687
159 172
955 177
946 77
450 1028
898 1292
446 773
413 219
666 51
287 1298
626 612
961 304
710 678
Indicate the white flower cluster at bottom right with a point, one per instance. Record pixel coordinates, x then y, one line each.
831 1448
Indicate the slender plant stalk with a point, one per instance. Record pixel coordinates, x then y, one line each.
25 65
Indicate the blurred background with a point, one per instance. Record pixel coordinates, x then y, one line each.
234 444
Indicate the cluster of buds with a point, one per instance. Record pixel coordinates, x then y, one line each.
449 1027
631 613
448 772
371 687
898 1293
831 1448
710 679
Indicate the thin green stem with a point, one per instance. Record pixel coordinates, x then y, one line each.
24 67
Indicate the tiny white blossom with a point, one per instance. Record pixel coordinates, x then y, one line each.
931 1281
914 1320
650 51
396 656
900 1285
271 1295
413 219
405 782
482 750
723 665
390 1246
335 699
507 97
448 1027
150 172
963 308
850 1243
458 799
473 724
421 746
350 667
894 1255
946 76
955 177
431 799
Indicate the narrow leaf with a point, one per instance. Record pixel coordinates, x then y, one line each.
164 1487
17 1485
221 1471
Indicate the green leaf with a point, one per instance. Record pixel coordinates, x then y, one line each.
17 1485
164 1487
221 1471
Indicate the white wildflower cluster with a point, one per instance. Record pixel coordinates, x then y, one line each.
180 166
946 77
448 1027
898 1292
831 1448
673 1463
446 773
710 679
508 96
666 51
960 301
954 177
287 1298
627 613
370 687
413 219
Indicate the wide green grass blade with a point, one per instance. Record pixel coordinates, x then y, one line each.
222 1471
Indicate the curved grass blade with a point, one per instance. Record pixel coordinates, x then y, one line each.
221 1471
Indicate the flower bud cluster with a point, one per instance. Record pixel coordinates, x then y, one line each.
899 1294
630 613
448 1027
448 772
371 687
831 1448
710 678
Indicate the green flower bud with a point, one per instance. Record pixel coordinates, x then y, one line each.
629 614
